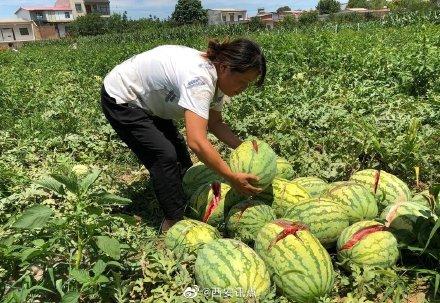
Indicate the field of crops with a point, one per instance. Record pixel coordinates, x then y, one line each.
334 103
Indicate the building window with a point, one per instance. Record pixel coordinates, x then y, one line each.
224 18
240 17
24 31
231 17
39 15
67 15
78 7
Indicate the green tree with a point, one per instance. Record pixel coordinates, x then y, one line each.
328 6
189 12
88 25
255 23
307 18
283 9
358 4
378 4
288 22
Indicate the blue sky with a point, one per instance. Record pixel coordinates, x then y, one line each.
164 8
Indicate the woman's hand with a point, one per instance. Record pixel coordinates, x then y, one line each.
242 183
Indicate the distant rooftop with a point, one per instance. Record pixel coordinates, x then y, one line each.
227 9
46 8
14 20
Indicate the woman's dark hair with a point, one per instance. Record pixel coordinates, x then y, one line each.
240 55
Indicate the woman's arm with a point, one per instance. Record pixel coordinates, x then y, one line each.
221 130
196 135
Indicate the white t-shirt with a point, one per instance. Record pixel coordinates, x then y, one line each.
165 81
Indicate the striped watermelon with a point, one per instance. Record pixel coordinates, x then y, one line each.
299 265
284 169
211 203
358 201
189 235
255 157
282 195
368 243
196 176
313 185
388 188
403 216
246 219
230 265
325 218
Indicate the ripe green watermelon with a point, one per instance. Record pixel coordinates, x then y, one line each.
284 169
403 216
325 218
357 200
368 243
388 188
211 203
255 157
282 195
245 219
299 265
230 265
189 235
313 185
196 176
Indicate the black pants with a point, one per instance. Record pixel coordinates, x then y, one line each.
158 145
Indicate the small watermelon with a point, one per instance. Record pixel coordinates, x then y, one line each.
325 218
196 176
257 158
367 243
230 265
246 218
313 185
299 265
284 169
357 200
189 235
388 188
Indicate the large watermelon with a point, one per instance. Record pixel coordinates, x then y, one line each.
325 218
257 158
232 267
246 219
211 203
196 176
282 195
313 185
401 217
367 243
388 188
189 235
284 169
357 200
300 266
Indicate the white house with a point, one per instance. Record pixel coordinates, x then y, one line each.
16 31
62 13
226 16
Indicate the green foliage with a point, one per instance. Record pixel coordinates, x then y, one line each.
283 9
88 25
358 4
255 23
288 22
328 6
189 12
308 18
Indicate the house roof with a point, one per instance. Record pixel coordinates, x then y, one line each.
45 8
227 9
14 20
